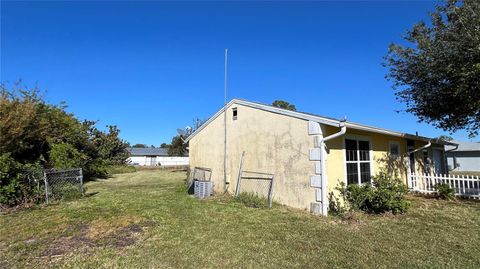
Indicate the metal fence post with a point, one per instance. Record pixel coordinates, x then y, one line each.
270 194
81 181
46 186
237 190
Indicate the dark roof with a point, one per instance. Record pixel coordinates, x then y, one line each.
148 151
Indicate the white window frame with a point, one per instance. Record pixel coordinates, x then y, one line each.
390 148
234 113
370 154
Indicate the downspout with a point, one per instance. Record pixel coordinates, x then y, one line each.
454 159
421 148
323 159
409 179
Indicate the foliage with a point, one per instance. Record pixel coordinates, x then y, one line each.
109 146
335 206
444 191
386 194
18 181
284 104
63 156
139 146
164 145
252 200
36 134
437 74
445 138
177 147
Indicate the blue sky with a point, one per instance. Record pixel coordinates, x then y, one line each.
151 67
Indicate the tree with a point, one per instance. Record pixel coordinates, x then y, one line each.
445 138
164 145
284 104
177 147
35 135
110 146
437 75
139 146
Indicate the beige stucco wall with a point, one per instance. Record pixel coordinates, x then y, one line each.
280 145
272 143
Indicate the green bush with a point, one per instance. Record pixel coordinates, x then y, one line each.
386 194
64 156
17 182
444 191
252 200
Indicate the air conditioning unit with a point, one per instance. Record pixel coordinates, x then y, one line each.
202 189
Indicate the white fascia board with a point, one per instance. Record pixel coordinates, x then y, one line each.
209 120
290 113
361 127
319 119
280 111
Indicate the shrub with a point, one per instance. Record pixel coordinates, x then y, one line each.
386 194
17 182
334 205
63 156
444 191
252 200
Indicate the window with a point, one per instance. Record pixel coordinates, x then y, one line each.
234 113
358 161
393 149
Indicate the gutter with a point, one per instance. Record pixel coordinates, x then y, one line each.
323 159
421 148
343 130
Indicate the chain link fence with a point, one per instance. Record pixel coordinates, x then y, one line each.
63 184
256 184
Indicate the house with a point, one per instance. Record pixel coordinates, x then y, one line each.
154 157
289 145
465 157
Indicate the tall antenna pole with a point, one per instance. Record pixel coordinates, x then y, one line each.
225 122
225 79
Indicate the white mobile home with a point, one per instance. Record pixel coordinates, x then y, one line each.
154 157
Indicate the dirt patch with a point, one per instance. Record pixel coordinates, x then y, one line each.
123 237
87 236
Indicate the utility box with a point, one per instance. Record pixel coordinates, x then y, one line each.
202 189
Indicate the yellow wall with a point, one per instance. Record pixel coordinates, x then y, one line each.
380 147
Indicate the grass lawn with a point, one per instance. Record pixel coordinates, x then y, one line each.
145 220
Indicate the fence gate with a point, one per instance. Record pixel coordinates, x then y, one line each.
61 184
260 184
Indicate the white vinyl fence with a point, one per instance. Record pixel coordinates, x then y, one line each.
465 186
